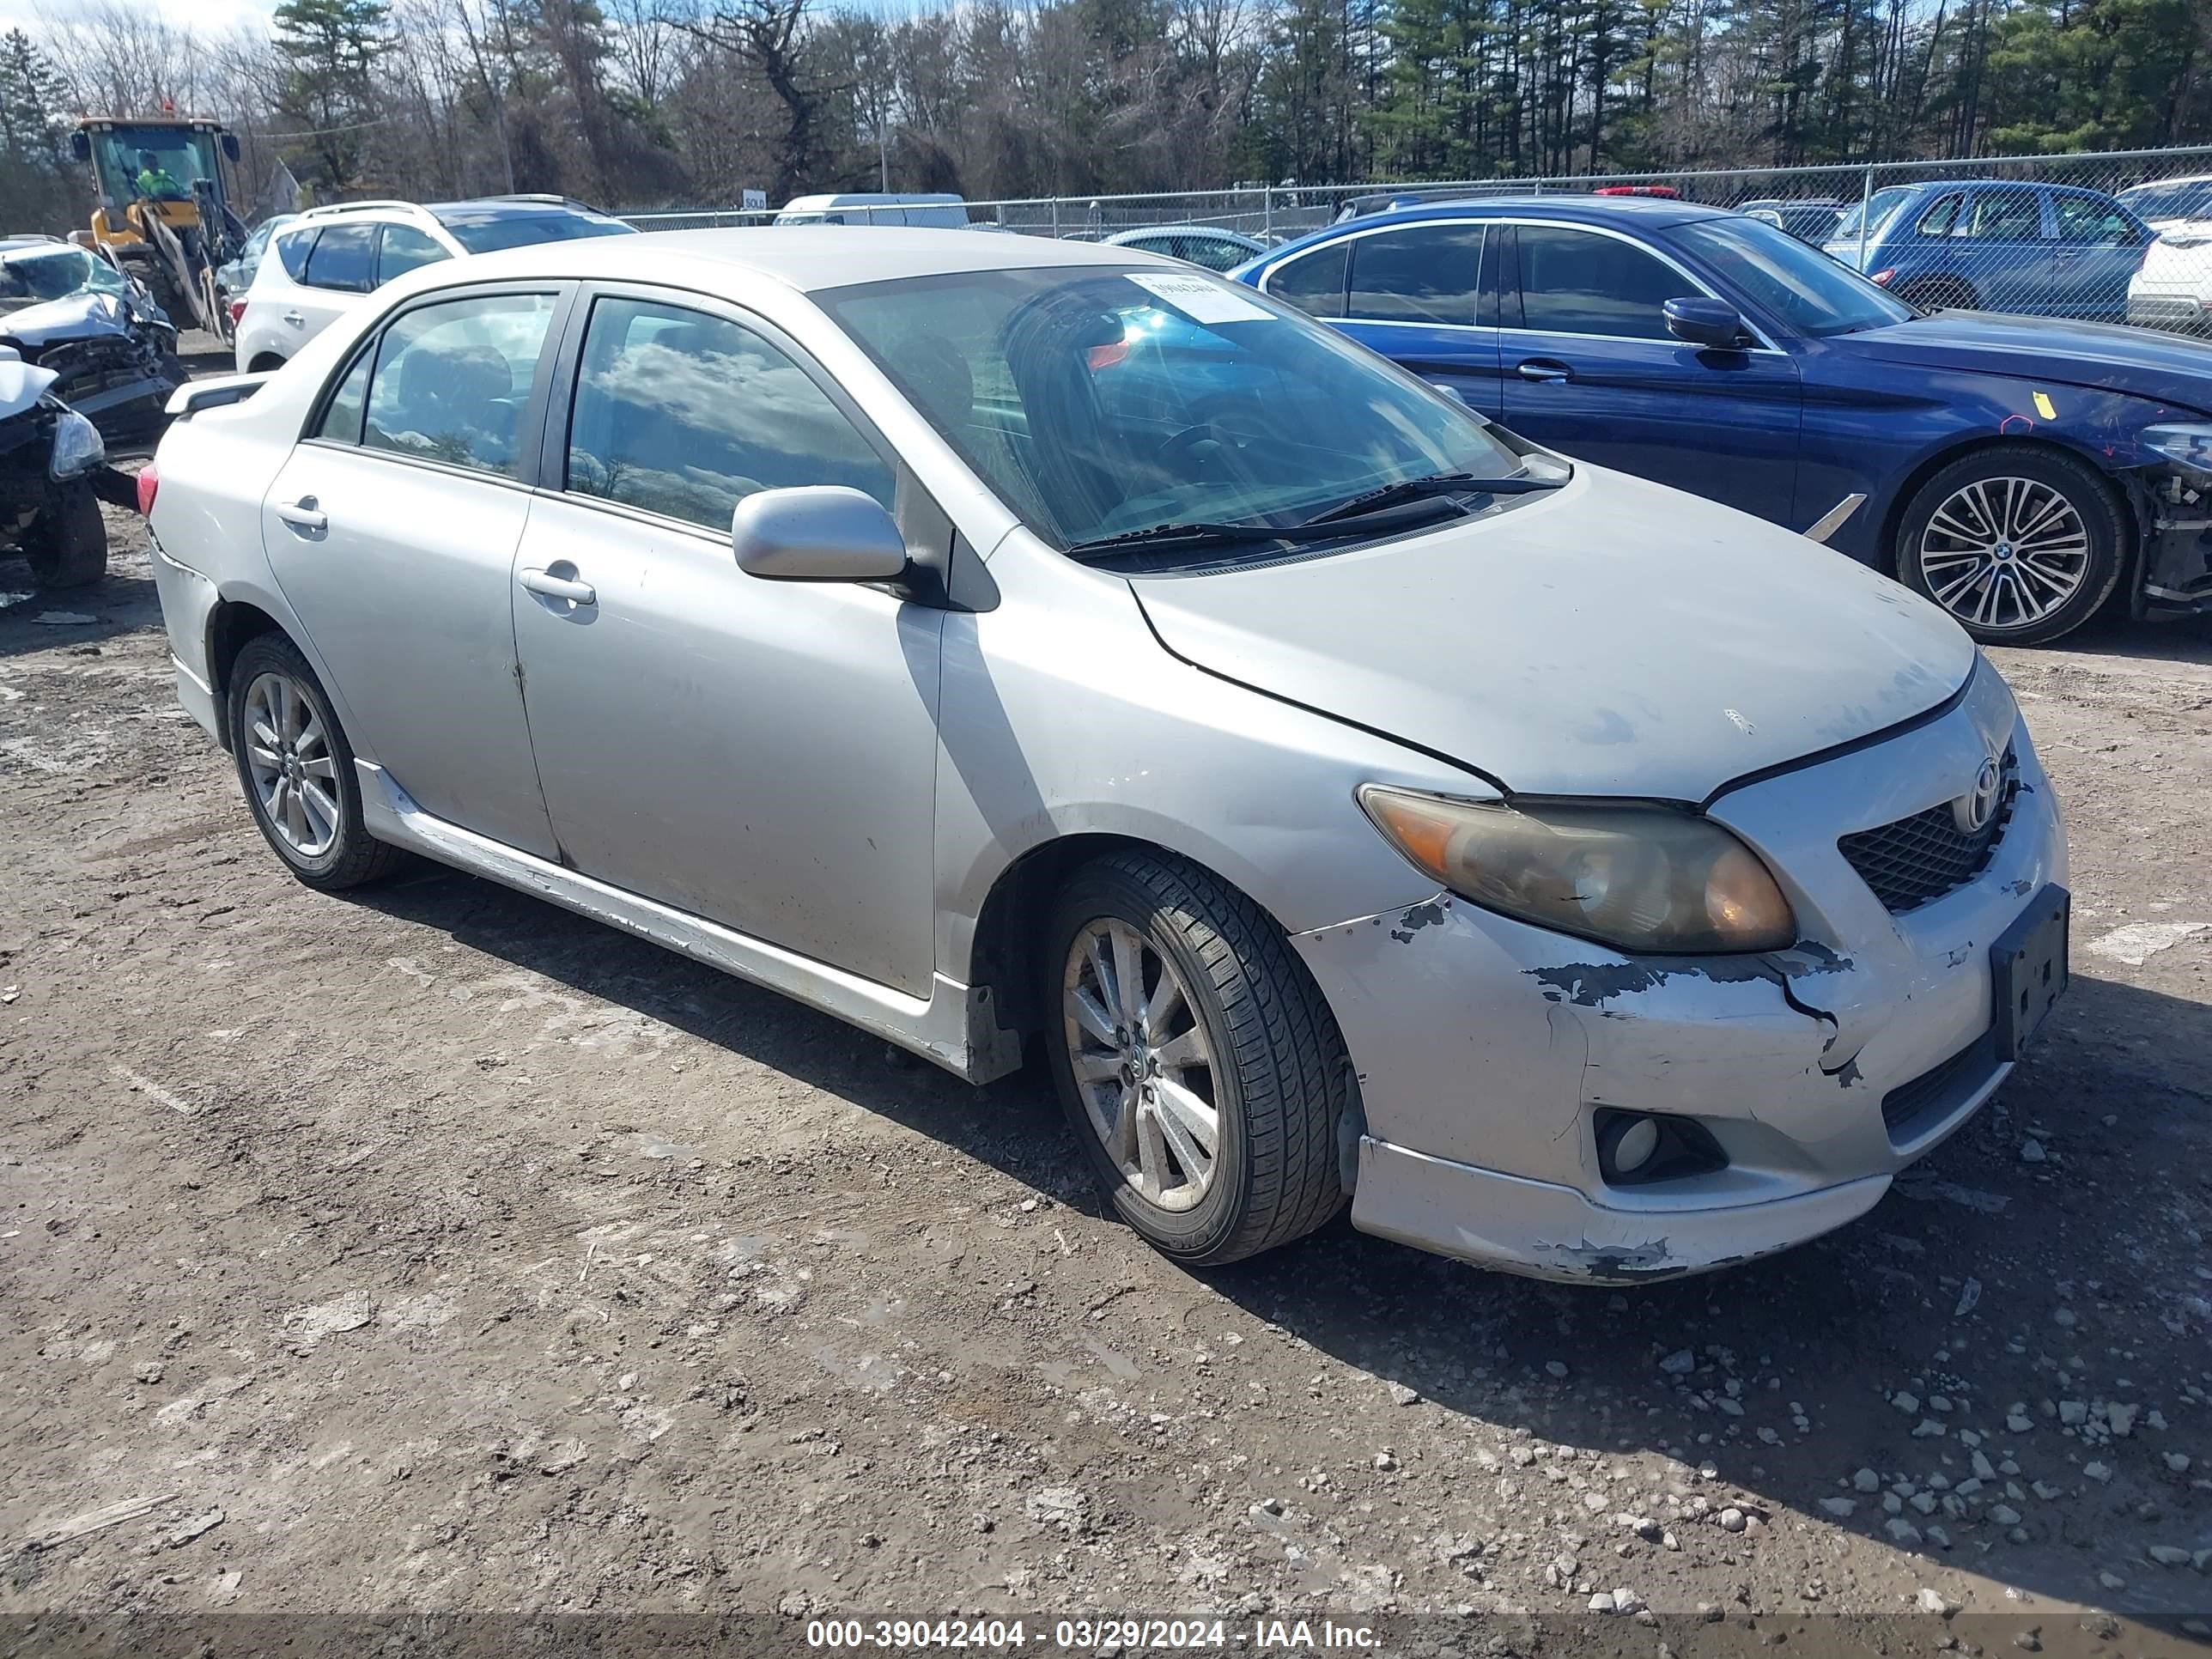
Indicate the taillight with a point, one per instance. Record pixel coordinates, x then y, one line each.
1883 276
237 313
150 483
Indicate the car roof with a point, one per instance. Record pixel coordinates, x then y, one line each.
807 257
1121 238
2161 184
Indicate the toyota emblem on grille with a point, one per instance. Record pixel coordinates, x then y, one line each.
1972 811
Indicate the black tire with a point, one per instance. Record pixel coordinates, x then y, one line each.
1282 1083
66 545
354 856
2090 497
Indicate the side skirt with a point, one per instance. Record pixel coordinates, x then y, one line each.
955 1027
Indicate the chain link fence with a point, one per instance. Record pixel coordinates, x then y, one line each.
2118 236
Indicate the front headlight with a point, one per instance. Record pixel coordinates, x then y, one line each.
1640 878
2189 445
78 447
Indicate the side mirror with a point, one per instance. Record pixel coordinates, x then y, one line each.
817 533
1705 323
81 146
230 146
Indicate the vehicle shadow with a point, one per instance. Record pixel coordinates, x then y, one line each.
118 605
1951 1286
2186 641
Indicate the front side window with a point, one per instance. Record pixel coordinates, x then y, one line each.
452 379
1314 283
1943 217
2086 219
1577 281
404 249
1418 274
1214 254
488 229
685 415
344 258
1096 402
1871 217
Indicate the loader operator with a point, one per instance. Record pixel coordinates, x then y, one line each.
154 181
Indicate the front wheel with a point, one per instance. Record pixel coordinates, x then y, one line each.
66 545
2020 546
297 769
1200 1068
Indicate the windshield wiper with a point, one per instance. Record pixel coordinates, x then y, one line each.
1160 534
1389 495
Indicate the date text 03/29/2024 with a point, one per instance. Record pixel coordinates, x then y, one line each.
1087 1635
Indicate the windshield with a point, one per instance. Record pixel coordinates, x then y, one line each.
1798 283
2187 198
1098 402
1880 208
486 230
54 273
154 161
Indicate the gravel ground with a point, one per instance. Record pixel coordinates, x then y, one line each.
432 1249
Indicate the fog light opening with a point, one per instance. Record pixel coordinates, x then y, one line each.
1636 1148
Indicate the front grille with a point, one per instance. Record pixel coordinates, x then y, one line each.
1940 1089
1924 856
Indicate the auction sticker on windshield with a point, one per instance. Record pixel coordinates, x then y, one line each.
1200 299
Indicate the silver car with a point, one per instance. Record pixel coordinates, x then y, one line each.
1017 646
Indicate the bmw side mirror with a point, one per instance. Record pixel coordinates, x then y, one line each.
1705 322
817 533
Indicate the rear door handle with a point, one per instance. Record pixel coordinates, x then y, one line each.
1543 369
303 514
559 587
296 319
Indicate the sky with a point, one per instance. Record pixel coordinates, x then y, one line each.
213 15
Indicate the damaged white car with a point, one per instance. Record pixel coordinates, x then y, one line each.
1030 649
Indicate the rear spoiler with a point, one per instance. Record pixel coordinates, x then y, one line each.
189 399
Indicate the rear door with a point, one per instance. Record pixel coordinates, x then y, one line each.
1415 294
391 530
2100 245
1590 369
2005 249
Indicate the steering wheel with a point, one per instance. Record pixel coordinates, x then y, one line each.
1204 428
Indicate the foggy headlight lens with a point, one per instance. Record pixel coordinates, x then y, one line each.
77 446
2186 446
1640 878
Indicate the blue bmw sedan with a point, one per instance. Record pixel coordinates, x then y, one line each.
2023 472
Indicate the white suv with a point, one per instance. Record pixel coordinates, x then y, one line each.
321 264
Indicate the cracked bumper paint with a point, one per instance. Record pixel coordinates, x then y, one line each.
1485 1047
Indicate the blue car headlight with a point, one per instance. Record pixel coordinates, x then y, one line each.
2184 445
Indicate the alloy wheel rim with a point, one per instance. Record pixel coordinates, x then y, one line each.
1144 1069
287 753
2004 553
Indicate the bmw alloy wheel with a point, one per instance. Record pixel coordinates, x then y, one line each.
288 756
2004 553
1143 1067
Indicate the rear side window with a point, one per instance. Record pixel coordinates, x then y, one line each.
292 253
1418 274
685 415
2086 219
344 258
1313 281
452 379
341 421
2005 215
1577 282
404 249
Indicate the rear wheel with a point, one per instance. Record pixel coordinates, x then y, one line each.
2020 546
297 769
1197 1062
66 545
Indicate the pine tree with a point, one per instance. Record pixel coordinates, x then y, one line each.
329 48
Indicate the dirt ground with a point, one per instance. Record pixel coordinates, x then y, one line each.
432 1248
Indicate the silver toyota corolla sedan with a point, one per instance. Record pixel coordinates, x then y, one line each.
1017 646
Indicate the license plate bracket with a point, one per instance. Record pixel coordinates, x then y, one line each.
2027 969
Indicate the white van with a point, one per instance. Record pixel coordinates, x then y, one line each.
869 208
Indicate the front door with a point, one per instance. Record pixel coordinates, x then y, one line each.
762 754
1418 295
1591 371
392 531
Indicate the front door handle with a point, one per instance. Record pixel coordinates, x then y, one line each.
303 514
559 587
1543 369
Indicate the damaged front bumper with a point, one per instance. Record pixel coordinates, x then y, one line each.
1490 1053
2174 506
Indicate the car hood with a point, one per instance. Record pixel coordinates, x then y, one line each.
2167 368
21 385
78 317
1612 638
